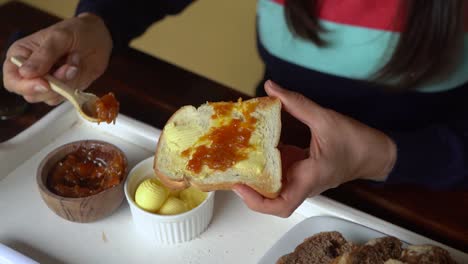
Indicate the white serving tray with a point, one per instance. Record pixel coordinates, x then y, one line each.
235 235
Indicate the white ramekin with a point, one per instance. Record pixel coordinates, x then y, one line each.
165 229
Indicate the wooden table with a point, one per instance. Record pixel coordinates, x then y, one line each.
150 90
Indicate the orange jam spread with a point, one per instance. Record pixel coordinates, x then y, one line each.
222 109
226 144
86 171
107 108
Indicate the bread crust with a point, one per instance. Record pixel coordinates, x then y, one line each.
187 181
176 185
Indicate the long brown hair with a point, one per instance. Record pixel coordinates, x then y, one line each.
427 48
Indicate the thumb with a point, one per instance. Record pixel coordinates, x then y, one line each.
291 154
294 103
41 60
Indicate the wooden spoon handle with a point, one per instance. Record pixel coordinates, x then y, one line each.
55 84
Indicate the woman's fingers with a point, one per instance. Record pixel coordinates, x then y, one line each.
55 100
11 75
70 69
289 155
41 60
291 196
37 89
294 103
49 96
66 72
27 87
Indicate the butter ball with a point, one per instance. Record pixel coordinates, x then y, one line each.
173 206
174 193
192 196
151 195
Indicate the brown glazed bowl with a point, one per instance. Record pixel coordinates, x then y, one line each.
83 209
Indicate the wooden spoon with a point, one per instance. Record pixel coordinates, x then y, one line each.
85 103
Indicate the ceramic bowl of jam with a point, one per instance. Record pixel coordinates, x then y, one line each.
82 181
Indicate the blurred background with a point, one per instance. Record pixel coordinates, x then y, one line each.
213 38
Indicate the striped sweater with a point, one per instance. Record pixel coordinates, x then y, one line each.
429 124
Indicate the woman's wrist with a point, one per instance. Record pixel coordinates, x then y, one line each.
392 157
372 153
380 159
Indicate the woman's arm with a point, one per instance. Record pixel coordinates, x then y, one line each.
127 19
435 156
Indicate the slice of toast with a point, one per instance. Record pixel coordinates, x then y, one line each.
321 248
425 254
218 145
375 251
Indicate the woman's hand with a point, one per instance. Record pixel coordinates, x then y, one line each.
341 149
75 50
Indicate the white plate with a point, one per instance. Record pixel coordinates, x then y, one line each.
351 231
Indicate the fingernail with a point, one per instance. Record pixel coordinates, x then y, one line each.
238 194
273 86
40 89
71 73
75 59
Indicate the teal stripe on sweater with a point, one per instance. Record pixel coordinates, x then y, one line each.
355 52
